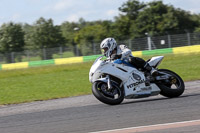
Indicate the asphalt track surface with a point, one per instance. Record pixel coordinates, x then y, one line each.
86 114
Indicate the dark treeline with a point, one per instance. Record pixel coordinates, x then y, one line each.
135 19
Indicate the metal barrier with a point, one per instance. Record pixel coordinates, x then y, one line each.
137 44
177 50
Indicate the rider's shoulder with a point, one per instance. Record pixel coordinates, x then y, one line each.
122 46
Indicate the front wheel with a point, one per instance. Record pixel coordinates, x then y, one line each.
112 96
172 87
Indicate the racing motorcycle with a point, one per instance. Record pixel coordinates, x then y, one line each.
114 80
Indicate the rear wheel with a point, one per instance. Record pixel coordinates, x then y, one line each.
172 87
112 96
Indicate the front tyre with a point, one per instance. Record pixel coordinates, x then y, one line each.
172 87
112 96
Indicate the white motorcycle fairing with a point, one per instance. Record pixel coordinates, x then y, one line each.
155 61
133 80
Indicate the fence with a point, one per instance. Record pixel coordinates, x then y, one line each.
138 44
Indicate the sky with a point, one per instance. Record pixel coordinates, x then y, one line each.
29 11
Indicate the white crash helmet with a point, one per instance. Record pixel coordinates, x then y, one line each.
107 46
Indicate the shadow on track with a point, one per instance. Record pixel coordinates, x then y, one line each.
144 100
157 99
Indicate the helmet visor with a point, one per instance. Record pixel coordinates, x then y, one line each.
104 50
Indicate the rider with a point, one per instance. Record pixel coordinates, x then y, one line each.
112 50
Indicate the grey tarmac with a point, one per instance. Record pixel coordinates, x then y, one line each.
86 114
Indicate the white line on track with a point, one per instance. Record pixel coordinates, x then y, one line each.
153 127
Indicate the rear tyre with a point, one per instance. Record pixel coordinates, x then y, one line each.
173 87
112 96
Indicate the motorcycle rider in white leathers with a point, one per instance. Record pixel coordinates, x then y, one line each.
113 51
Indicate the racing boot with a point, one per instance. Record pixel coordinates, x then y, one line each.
150 69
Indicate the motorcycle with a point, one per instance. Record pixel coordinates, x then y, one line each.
114 80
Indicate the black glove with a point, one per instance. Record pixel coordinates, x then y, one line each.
115 56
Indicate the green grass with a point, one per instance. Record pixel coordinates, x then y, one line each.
64 55
34 58
37 58
49 82
44 83
187 66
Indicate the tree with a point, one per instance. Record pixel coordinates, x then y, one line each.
132 8
45 35
68 31
11 39
196 18
122 26
90 35
186 20
127 18
83 35
154 17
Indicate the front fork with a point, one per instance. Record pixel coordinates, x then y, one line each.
109 82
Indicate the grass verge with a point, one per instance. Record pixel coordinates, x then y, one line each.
50 82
